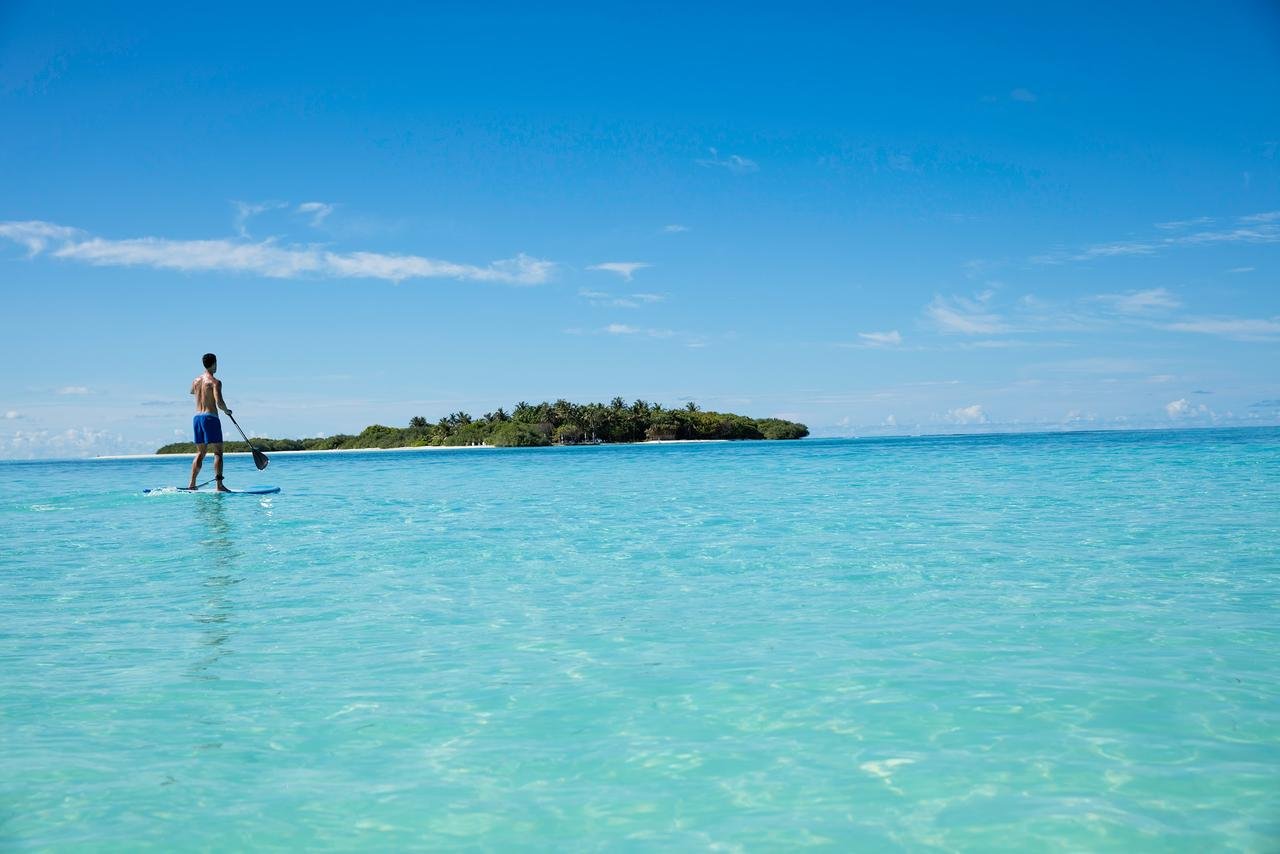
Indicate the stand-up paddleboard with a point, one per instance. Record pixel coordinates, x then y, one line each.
253 490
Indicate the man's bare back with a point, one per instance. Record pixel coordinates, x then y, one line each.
208 391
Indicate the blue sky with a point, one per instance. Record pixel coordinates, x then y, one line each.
923 218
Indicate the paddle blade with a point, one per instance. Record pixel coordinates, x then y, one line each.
260 459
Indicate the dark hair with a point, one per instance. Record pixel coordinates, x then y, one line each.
209 360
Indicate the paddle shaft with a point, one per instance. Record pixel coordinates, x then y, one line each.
259 459
246 438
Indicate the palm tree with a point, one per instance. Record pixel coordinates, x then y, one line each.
563 412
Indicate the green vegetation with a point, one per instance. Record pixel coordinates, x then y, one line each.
531 425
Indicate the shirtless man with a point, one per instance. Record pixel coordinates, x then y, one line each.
208 429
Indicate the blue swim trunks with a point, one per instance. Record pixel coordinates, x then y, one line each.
208 429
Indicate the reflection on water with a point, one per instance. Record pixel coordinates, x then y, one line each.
219 558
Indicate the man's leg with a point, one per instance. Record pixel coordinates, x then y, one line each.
217 467
196 463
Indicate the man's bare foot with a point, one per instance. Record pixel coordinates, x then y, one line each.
222 488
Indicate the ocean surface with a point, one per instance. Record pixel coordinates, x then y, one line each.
1029 643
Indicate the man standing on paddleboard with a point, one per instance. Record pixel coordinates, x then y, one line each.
208 429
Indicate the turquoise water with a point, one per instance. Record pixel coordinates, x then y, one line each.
1062 642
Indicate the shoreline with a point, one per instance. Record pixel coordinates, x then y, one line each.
409 448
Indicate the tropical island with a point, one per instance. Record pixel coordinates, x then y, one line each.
540 424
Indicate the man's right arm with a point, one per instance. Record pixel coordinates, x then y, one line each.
218 398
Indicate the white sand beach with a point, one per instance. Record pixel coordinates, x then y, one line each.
413 448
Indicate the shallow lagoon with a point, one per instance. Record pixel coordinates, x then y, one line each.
1021 642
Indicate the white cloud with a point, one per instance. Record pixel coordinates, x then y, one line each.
1265 231
674 228
889 421
1241 270
12 414
625 269
881 339
1024 95
602 298
1257 228
1179 224
318 211
36 235
267 258
1241 328
965 316
73 389
967 415
1183 408
624 329
72 442
1139 302
1100 250
735 163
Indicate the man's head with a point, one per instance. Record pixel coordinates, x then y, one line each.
210 362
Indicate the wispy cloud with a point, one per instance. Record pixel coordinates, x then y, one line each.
1024 95
624 329
74 389
12 415
964 316
1240 328
1099 250
1255 228
625 269
246 211
1142 302
264 258
36 235
1241 270
674 228
891 338
1180 224
735 163
317 210
1268 216
602 298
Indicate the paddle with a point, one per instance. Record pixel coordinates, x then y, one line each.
259 459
